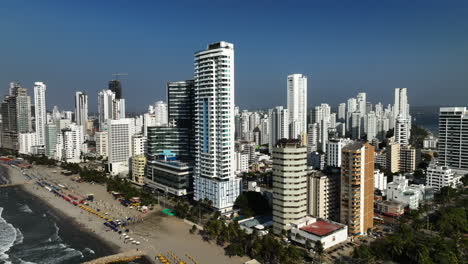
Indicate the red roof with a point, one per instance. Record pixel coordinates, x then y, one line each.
320 228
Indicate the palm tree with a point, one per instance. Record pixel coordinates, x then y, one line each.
319 250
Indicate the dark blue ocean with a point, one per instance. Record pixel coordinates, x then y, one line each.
31 232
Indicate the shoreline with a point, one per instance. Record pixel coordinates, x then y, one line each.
63 218
158 233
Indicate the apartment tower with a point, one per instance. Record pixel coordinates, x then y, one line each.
214 177
357 187
289 183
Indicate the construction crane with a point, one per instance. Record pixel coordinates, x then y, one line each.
117 74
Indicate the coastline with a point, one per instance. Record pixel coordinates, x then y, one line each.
63 219
158 233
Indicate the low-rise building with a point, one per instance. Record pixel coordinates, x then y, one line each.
399 190
441 176
390 208
259 223
315 229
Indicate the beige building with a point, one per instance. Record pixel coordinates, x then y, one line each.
357 187
289 183
393 157
138 169
407 158
323 195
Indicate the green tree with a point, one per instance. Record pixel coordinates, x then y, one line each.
319 250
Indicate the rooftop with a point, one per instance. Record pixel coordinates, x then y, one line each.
353 146
259 220
321 228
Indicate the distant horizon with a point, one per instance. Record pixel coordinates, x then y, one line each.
343 49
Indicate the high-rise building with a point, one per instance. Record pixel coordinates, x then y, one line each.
26 142
278 123
119 145
138 144
16 115
297 105
323 195
401 116
407 158
214 177
72 140
172 138
81 110
453 137
342 112
289 183
51 132
116 87
118 110
334 149
312 137
164 172
160 112
40 108
138 169
371 126
361 103
357 187
105 108
393 157
101 143
180 107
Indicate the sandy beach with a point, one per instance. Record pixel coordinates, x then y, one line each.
156 232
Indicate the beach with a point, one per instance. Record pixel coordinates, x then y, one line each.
156 233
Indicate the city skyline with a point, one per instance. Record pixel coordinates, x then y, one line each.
389 48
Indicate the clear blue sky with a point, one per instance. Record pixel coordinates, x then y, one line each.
342 46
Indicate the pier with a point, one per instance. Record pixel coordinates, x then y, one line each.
120 257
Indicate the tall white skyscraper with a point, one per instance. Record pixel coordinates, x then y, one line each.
401 116
361 103
278 123
119 144
297 105
81 110
214 177
40 112
105 108
160 111
341 112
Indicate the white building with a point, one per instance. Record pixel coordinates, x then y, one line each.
297 105
105 108
312 137
453 137
315 229
81 110
333 151
138 144
214 177
278 122
430 142
40 109
72 140
101 143
26 141
160 111
380 181
119 109
241 162
401 116
119 145
441 176
399 191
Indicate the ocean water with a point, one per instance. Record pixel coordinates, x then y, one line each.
30 232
